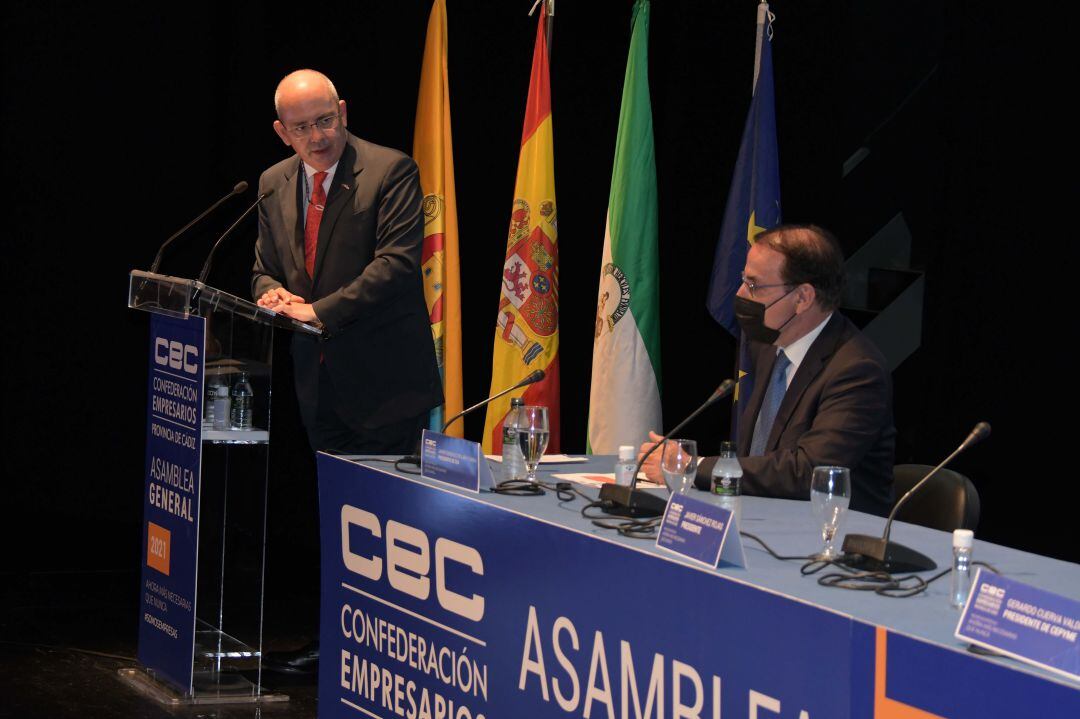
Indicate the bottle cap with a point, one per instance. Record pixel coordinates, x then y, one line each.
963 538
627 452
517 402
727 446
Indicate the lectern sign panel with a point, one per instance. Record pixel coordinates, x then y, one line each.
171 497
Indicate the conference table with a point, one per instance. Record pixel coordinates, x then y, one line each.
444 603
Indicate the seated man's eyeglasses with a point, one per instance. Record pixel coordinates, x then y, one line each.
323 123
753 287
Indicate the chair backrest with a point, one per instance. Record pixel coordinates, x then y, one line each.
948 501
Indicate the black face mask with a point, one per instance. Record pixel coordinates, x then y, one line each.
751 318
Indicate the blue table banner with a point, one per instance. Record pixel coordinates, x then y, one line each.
442 604
1023 622
171 498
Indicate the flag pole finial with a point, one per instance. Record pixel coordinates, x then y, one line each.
549 6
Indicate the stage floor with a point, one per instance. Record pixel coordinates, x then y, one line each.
65 635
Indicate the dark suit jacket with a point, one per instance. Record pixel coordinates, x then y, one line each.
837 411
367 289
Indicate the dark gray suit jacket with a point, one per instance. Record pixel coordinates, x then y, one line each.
367 289
837 411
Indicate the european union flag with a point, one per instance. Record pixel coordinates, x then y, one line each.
753 202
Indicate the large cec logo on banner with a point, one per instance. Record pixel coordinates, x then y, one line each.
440 606
171 497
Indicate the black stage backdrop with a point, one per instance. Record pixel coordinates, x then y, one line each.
119 125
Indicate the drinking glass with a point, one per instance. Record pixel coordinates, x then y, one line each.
533 434
830 494
679 464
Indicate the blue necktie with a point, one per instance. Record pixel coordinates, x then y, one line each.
774 395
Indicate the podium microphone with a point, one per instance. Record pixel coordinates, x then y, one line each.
534 377
881 553
238 188
633 502
233 226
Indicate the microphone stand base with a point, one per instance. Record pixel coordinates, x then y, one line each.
629 502
879 554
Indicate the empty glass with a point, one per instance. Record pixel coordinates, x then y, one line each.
533 434
679 464
830 493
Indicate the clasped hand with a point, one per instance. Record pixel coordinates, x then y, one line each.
284 302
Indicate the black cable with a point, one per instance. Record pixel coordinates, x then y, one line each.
519 488
644 528
769 549
405 460
879 582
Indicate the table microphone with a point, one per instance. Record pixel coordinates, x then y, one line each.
237 189
879 553
536 376
533 377
634 502
233 226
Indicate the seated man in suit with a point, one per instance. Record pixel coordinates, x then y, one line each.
822 393
339 245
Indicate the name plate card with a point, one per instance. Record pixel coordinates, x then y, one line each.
1023 622
701 531
454 461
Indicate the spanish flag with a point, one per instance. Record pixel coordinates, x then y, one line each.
432 150
527 331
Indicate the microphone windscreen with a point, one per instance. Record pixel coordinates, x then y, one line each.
240 187
723 390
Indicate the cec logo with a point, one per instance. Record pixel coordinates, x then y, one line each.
158 543
177 355
408 561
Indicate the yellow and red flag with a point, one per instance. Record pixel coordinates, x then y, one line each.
527 335
432 150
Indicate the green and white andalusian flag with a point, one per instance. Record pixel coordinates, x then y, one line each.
625 399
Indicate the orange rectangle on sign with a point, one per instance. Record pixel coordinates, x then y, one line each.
158 541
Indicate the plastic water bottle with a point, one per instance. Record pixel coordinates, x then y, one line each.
242 399
962 540
210 396
222 407
625 464
727 480
513 461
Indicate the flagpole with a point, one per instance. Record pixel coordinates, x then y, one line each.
762 16
549 31
549 26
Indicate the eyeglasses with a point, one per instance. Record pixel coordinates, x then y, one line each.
323 123
752 286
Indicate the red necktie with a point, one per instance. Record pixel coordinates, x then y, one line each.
311 226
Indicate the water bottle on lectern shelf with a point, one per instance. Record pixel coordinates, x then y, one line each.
242 400
222 407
